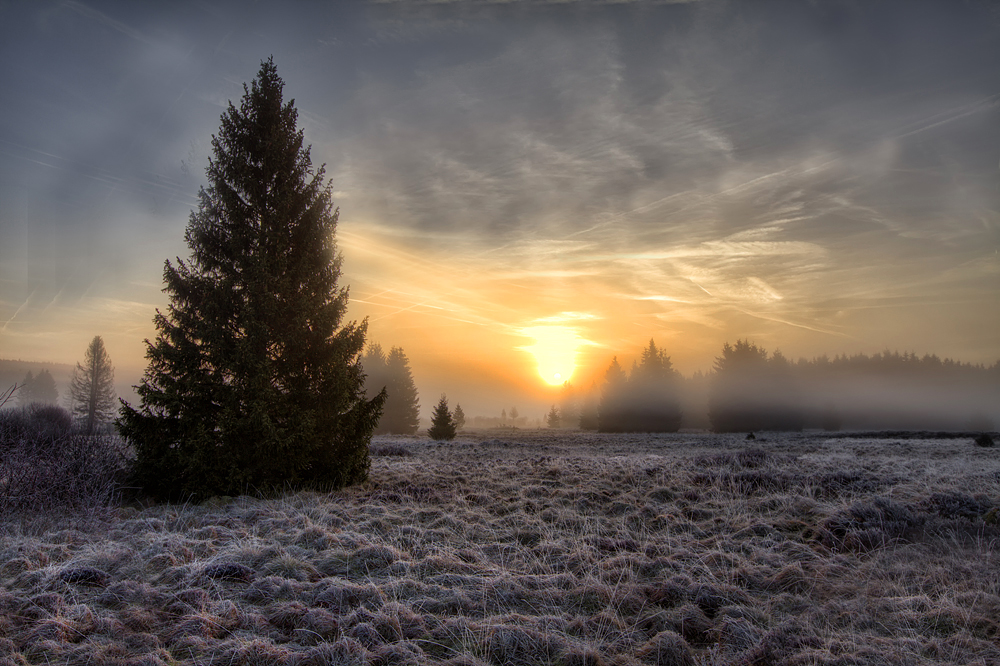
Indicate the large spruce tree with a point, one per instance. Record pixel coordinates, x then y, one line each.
253 383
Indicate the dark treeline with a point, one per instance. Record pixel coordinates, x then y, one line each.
750 389
896 391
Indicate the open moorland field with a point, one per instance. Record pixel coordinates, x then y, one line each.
542 548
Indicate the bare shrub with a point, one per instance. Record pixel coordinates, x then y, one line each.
47 468
50 420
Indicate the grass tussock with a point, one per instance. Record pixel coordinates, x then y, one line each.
541 549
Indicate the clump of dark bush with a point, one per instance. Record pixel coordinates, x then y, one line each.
984 440
866 526
84 576
749 482
384 450
45 465
752 458
835 484
955 505
229 571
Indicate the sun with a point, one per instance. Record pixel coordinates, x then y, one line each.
554 351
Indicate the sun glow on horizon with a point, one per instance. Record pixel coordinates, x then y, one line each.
555 351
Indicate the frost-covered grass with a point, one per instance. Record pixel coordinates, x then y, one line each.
542 548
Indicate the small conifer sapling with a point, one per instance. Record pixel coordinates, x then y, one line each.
442 423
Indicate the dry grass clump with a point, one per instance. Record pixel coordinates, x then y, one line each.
869 525
542 548
666 649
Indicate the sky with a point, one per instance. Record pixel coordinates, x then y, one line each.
528 189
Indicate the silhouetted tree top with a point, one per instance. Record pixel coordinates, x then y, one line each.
253 381
615 375
655 364
742 356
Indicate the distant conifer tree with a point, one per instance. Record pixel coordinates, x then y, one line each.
24 390
646 400
459 417
40 388
609 413
92 389
402 406
552 419
569 411
749 391
253 382
401 413
654 393
442 423
373 362
588 411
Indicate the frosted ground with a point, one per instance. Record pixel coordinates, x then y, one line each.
542 548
